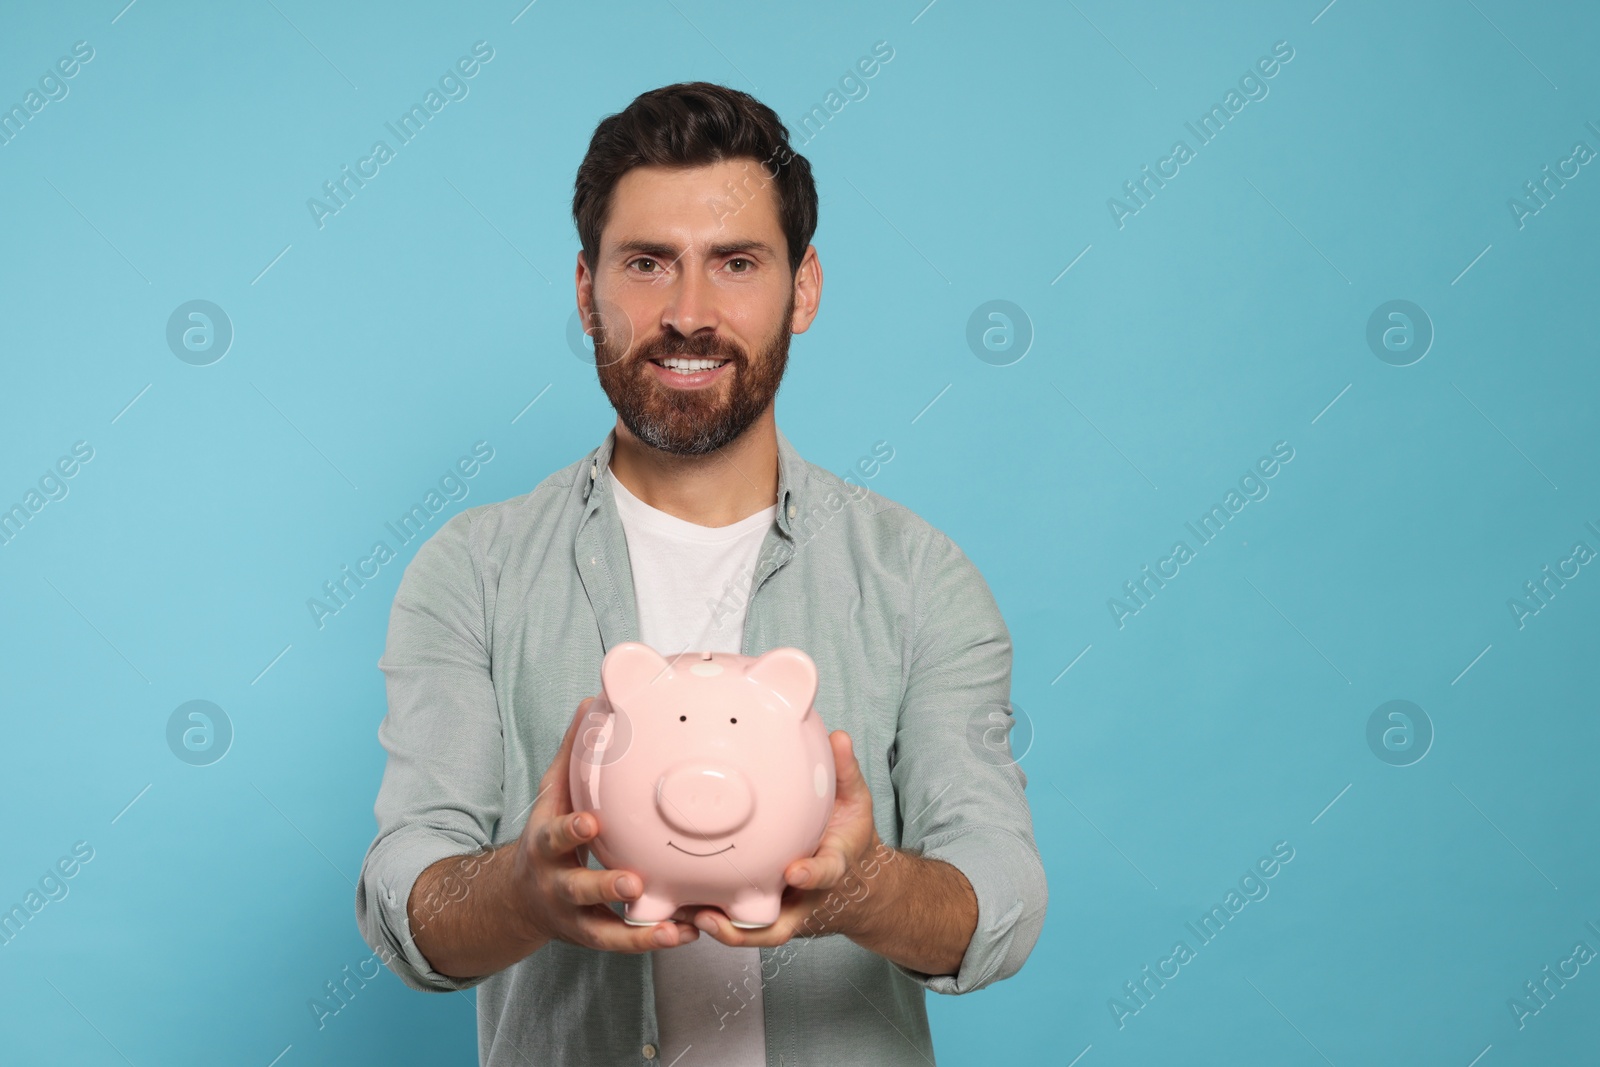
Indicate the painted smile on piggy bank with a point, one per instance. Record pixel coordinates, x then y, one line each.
706 755
686 852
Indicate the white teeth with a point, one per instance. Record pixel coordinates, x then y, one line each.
689 365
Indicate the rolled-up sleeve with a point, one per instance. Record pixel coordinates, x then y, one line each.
960 794
441 793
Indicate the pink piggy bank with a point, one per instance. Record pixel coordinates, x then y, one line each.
710 773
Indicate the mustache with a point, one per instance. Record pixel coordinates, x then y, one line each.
690 348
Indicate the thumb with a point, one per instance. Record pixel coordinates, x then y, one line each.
847 772
555 789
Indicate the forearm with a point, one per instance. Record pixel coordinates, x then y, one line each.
919 913
465 917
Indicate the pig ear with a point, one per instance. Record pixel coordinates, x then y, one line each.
629 667
790 674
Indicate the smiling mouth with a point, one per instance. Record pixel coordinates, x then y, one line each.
686 852
690 364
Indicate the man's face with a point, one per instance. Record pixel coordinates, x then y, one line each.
695 303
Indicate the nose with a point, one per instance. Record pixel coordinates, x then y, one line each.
692 305
704 800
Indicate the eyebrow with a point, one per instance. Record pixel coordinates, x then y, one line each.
639 246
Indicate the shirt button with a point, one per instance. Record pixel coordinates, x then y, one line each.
649 1052
791 511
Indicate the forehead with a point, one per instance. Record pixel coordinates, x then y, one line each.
718 202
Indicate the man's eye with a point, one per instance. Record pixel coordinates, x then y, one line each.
645 259
741 259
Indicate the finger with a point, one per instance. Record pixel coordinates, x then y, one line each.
820 871
847 772
672 934
555 791
582 886
560 835
604 929
714 922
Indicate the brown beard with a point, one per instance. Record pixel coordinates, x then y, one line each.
692 422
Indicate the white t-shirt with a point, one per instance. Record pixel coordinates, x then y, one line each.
692 584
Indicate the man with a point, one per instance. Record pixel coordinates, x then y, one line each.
695 526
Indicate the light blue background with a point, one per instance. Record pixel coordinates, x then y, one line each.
1227 315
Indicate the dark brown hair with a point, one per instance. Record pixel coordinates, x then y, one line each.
693 124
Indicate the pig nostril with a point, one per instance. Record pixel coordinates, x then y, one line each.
733 720
683 718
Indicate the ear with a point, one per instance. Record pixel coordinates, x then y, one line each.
790 674
629 667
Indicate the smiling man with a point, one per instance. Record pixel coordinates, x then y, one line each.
695 526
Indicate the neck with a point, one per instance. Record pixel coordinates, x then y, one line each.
717 489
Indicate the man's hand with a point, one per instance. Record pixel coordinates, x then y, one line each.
849 842
561 897
479 913
917 912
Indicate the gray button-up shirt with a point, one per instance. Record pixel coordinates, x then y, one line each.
497 633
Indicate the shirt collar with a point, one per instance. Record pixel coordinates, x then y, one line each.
792 479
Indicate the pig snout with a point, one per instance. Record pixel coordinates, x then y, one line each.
704 800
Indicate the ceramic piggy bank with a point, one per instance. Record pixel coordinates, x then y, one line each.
710 773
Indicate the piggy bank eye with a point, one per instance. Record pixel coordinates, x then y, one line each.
683 718
733 720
